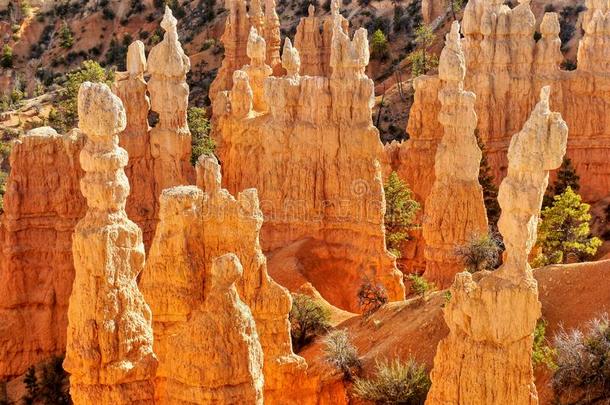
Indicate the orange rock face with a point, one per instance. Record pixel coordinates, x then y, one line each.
41 208
455 211
314 160
197 225
109 342
486 358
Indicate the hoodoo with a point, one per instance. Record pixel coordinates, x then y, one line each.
491 317
455 211
109 343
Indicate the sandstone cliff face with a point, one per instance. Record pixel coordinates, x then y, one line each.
314 160
109 343
131 88
199 224
42 204
221 324
486 358
455 211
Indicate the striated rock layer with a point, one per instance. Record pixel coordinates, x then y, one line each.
455 211
314 160
109 342
199 224
486 358
42 204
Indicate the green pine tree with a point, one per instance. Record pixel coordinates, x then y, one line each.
563 231
379 45
401 211
6 59
199 125
566 176
490 190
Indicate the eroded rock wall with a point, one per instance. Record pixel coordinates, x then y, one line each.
199 224
486 358
42 204
109 351
314 160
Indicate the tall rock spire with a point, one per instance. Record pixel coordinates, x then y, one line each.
454 211
492 316
170 139
131 88
593 55
109 349
273 37
257 70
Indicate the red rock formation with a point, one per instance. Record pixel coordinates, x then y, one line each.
109 342
314 161
257 70
41 208
221 324
135 139
170 139
486 358
196 227
271 32
455 211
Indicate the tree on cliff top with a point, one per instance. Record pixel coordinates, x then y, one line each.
64 114
379 45
563 231
400 213
420 60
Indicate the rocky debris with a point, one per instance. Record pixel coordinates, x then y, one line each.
199 224
109 343
455 211
314 160
486 358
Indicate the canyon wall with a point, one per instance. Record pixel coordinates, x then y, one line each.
486 358
455 212
314 160
199 224
42 205
109 341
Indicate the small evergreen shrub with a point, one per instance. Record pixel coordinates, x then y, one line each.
420 286
308 319
479 253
